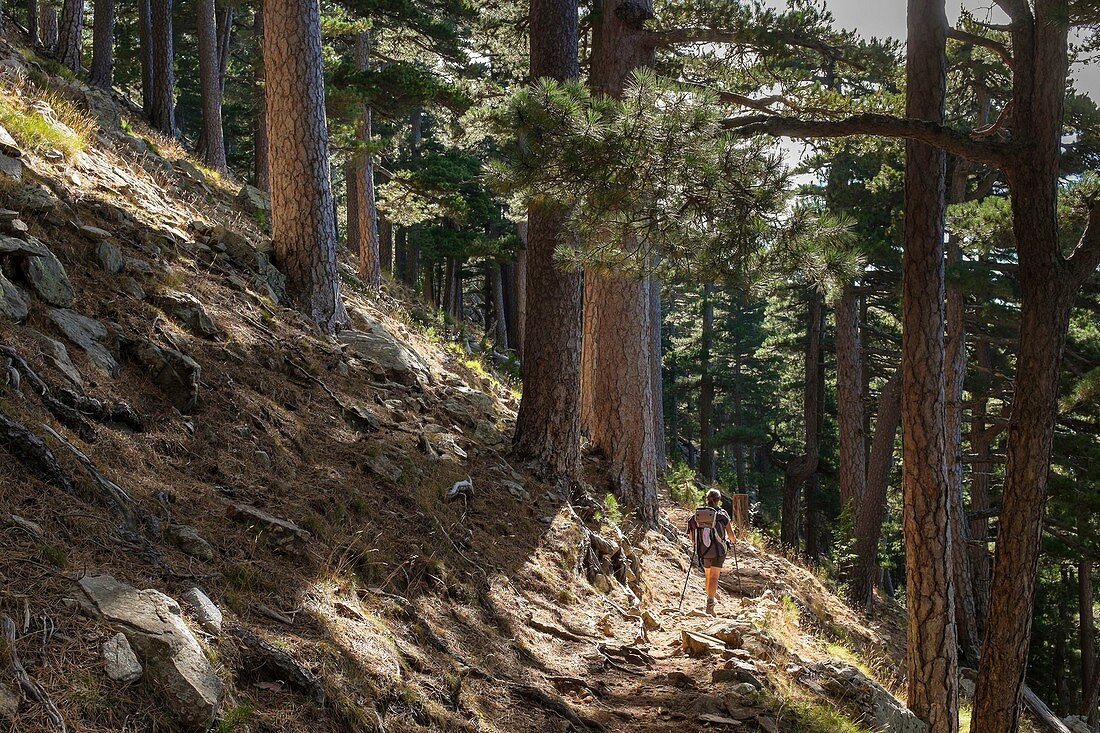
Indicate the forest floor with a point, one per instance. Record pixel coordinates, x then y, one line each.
380 605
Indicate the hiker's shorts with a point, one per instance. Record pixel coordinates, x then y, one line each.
714 562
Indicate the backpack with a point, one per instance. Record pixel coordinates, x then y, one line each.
709 545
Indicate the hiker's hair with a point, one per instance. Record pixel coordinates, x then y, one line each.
714 496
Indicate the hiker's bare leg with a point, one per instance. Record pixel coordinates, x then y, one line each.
712 586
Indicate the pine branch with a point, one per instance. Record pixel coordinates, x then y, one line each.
956 143
699 36
975 40
1086 255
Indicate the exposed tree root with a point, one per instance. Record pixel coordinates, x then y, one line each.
33 452
557 706
31 689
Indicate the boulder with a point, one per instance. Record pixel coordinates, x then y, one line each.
187 540
385 354
11 168
187 309
87 333
13 303
866 698
735 670
119 660
206 613
154 626
175 373
282 534
698 645
256 202
241 249
8 145
47 278
110 257
270 279
730 633
38 199
56 353
22 247
1078 724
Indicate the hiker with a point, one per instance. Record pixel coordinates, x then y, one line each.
709 528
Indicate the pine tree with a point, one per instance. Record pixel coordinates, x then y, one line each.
101 73
69 34
213 141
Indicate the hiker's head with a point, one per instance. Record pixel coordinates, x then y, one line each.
714 497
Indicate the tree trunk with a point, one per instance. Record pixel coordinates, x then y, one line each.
1048 283
655 381
929 562
213 141
548 425
872 510
452 289
32 23
370 270
261 168
145 50
850 403
303 223
706 388
103 44
69 34
385 244
1058 661
500 318
801 468
428 284
162 114
521 291
1086 635
225 38
351 228
980 477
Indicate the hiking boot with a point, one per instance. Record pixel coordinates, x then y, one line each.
710 606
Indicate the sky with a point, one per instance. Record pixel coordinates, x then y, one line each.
887 18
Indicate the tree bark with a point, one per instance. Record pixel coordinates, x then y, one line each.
850 403
162 108
101 73
385 244
69 34
655 363
1086 635
980 477
145 49
500 318
548 425
225 38
802 467
213 141
370 270
521 292
261 167
929 561
303 223
32 23
872 510
706 388
351 227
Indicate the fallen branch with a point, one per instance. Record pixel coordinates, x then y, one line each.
30 688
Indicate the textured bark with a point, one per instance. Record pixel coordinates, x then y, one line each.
145 50
521 292
351 228
1058 656
69 34
225 38
656 383
1048 283
500 318
261 166
162 103
850 402
452 289
872 510
47 18
32 23
213 141
101 73
1086 634
385 245
706 387
548 425
303 223
799 470
370 270
980 476
930 594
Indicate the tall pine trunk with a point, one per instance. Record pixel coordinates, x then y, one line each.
1086 635
655 380
351 229
385 244
32 23
500 318
101 73
521 292
261 166
706 387
48 27
850 399
929 563
981 441
162 102
801 468
213 141
548 425
303 222
69 34
370 271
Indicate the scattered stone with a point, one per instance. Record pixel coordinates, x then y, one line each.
189 311
11 168
48 279
256 202
56 353
87 333
744 689
190 171
154 626
7 216
718 719
283 534
240 248
8 145
1078 724
729 633
19 228
31 528
269 278
517 491
680 679
132 287
120 662
735 670
385 354
13 303
137 266
601 583
698 645
110 257
175 373
188 541
22 247
264 459
93 233
38 199
767 724
206 613
868 699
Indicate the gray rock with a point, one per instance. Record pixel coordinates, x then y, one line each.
93 233
87 333
1078 724
154 626
240 248
22 247
38 199
517 491
120 662
385 354
206 613
187 310
187 540
58 355
132 287
737 671
9 703
8 145
48 279
264 458
137 266
255 202
270 278
11 167
110 257
867 698
13 303
283 534
32 528
172 371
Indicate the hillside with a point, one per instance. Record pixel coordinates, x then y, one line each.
168 424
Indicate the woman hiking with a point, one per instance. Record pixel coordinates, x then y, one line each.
709 529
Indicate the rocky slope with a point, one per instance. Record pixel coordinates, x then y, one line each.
212 515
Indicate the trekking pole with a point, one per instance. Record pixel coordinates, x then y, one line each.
737 567
687 577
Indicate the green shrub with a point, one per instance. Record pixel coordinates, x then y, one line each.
682 488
